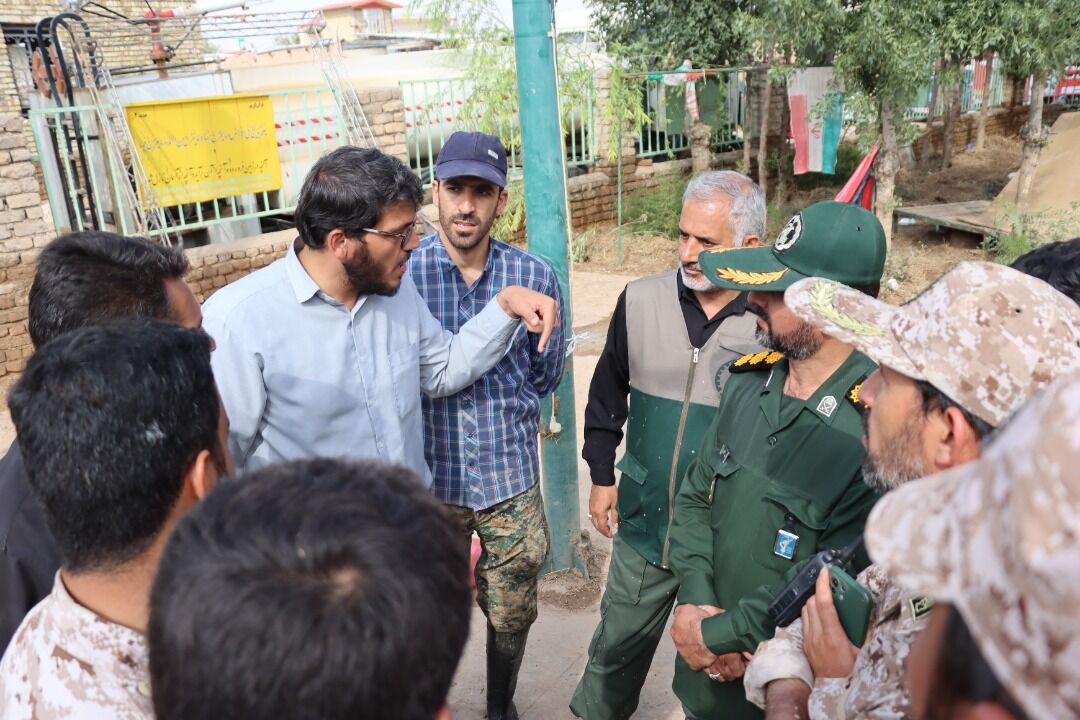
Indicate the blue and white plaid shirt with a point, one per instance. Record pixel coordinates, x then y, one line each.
481 443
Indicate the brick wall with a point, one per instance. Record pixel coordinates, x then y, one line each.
215 266
1002 121
22 227
212 267
386 115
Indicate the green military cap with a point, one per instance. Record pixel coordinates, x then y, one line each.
838 241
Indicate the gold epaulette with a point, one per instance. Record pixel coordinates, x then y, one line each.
756 361
853 396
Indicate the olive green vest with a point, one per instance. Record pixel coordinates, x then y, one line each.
674 392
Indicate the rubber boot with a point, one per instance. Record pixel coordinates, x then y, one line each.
504 654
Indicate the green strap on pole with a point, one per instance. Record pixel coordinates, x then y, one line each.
546 217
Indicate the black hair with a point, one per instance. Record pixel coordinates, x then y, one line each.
84 278
934 399
317 589
873 289
108 418
349 188
1056 264
962 674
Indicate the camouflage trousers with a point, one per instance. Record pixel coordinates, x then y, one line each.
514 544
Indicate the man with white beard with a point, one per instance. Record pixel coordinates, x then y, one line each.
671 339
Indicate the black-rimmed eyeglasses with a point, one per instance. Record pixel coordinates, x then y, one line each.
403 237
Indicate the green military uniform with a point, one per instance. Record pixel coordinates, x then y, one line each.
777 478
771 465
674 391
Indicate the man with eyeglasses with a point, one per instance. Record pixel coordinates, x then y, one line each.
327 350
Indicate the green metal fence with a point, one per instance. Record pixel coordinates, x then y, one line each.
435 109
971 90
722 104
307 125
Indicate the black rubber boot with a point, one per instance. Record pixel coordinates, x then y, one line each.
504 653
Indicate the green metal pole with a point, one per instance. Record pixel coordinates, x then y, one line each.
549 232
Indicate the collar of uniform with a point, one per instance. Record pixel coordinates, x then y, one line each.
772 390
96 641
828 401
302 285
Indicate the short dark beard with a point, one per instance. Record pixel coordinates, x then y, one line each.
363 276
799 344
482 231
900 461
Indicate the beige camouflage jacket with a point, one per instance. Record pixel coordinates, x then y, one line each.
67 662
876 687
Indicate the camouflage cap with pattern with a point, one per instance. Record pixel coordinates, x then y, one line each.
1002 545
984 334
836 240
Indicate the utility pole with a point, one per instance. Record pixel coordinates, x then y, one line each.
546 221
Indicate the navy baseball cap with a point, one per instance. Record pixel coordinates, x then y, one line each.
472 154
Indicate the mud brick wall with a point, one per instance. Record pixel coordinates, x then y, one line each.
386 116
212 267
1001 122
215 266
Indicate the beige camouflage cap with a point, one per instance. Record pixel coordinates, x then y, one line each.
1003 546
984 334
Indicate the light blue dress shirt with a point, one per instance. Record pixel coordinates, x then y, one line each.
302 375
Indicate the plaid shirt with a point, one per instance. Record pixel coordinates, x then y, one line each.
481 443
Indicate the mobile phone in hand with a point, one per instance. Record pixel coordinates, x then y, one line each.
853 603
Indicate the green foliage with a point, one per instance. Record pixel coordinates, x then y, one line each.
776 217
848 157
1038 37
656 210
624 110
485 49
579 246
507 224
1028 230
663 33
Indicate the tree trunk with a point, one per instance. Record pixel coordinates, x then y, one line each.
952 112
784 171
763 135
747 123
1032 135
980 129
699 134
928 138
887 167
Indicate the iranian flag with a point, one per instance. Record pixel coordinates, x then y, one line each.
817 111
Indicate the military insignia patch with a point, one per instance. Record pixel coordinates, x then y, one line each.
854 398
785 544
827 406
744 277
821 300
756 361
790 234
920 607
718 378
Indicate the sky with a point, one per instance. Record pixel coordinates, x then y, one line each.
567 12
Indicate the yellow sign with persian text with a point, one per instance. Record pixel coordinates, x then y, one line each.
200 149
